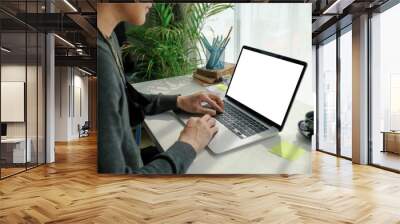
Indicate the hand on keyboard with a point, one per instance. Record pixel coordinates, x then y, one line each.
199 131
195 103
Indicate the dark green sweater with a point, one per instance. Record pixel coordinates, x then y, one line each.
117 150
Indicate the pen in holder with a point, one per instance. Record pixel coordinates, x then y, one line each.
215 67
215 54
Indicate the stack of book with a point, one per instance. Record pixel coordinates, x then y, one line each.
213 76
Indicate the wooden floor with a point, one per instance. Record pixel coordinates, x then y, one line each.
10 171
70 191
387 159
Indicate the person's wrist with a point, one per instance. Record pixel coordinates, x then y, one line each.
192 143
179 102
196 148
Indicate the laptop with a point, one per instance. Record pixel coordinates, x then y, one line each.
258 99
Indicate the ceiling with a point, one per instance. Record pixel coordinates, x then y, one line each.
76 23
332 15
72 20
57 5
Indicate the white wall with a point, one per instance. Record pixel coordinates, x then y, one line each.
79 117
70 83
62 81
12 72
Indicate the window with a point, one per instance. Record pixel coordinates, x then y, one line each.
327 96
385 89
346 93
22 78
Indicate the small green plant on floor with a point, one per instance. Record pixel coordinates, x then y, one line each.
167 45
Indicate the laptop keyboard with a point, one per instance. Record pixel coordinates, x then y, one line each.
238 122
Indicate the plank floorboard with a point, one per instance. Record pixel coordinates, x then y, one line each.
71 191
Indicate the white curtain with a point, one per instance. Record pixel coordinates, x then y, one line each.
280 28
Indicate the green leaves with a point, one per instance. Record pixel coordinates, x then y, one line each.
165 14
167 46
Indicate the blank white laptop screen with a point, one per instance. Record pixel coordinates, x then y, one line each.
265 84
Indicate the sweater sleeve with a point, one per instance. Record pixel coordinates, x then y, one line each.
160 103
175 160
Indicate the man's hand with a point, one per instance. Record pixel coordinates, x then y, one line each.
193 103
199 131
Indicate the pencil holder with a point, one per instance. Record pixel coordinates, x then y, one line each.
215 50
215 59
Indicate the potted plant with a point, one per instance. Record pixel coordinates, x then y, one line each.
167 45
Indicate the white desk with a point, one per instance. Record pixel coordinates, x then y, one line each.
251 159
18 149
